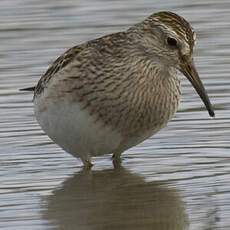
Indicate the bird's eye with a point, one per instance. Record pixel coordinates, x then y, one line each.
172 42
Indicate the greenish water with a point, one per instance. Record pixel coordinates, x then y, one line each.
179 179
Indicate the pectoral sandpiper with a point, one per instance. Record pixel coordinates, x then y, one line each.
109 94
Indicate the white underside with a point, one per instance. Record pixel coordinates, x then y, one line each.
75 130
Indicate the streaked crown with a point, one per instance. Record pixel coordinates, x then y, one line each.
176 24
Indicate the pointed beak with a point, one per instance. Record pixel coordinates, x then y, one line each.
188 68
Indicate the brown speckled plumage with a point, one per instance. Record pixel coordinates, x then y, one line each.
126 82
113 91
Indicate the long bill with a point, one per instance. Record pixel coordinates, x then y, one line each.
189 70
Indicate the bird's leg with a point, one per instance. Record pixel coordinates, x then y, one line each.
87 163
117 156
117 159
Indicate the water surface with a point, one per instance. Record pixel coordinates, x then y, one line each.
178 179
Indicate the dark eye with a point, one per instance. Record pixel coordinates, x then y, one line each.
172 42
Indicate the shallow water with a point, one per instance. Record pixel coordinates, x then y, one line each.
179 179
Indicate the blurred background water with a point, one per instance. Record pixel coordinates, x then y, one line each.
179 179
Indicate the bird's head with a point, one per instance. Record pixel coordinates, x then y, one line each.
170 38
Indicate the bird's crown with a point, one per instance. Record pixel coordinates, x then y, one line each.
175 24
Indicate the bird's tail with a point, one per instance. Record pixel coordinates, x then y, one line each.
28 89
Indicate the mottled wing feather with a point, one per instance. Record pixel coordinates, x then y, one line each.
59 64
65 59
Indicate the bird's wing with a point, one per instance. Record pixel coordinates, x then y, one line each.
58 64
70 55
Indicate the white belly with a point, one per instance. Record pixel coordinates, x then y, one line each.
75 130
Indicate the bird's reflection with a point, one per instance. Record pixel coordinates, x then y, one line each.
115 199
